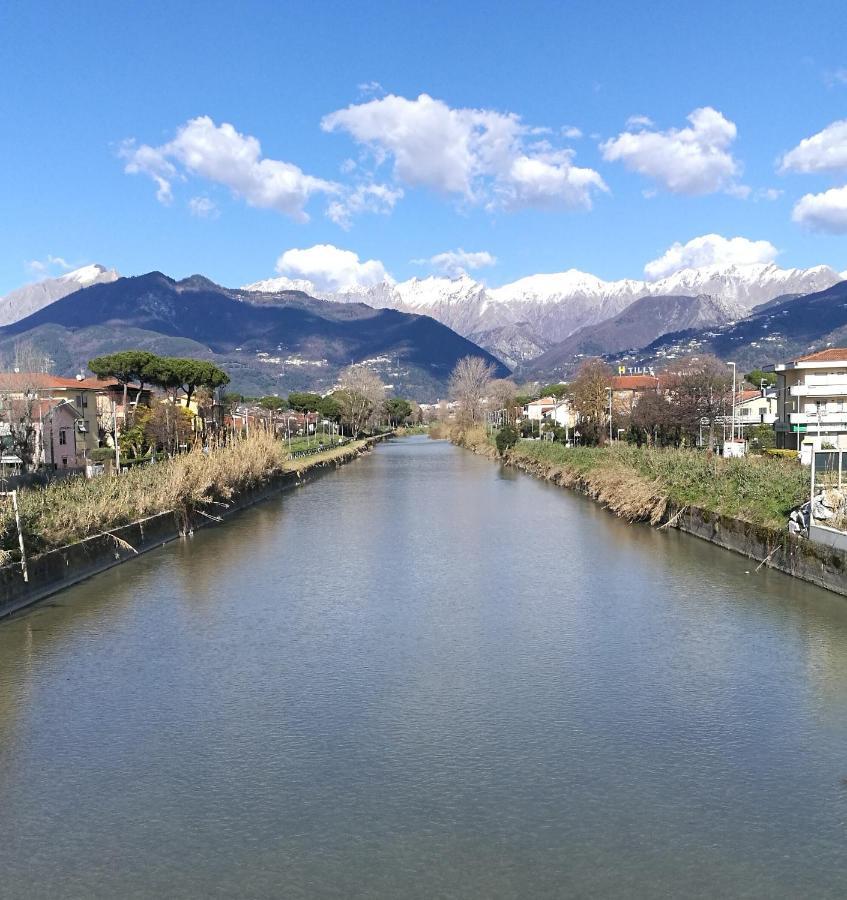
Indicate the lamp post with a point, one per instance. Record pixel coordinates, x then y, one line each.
732 437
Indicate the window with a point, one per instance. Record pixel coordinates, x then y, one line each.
63 436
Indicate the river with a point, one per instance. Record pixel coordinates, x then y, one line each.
424 675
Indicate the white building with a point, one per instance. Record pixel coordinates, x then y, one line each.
812 400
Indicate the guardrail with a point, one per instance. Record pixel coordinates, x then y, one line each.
321 448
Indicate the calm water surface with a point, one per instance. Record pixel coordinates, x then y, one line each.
425 676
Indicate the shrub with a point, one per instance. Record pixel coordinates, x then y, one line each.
506 438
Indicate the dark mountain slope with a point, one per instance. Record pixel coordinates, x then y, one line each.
771 334
287 340
637 325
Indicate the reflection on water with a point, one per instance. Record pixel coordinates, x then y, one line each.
425 676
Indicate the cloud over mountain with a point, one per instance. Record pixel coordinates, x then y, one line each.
330 268
709 250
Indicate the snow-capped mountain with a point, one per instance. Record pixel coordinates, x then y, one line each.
519 320
30 298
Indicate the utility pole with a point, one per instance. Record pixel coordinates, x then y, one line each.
117 438
610 414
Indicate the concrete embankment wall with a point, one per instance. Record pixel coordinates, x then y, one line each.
825 566
58 569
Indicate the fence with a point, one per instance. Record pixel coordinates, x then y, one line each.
320 448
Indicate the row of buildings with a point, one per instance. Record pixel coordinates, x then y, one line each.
807 407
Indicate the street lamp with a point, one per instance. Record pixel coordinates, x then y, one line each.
734 370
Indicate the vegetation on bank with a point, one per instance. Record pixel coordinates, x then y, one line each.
641 483
192 484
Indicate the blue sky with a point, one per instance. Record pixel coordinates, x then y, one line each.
491 164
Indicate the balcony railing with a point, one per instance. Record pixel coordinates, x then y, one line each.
813 418
831 389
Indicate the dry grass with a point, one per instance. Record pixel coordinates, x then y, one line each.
195 482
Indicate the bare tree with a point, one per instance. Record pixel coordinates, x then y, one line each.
21 389
359 396
470 384
589 395
699 392
501 395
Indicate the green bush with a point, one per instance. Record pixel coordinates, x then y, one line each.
506 438
100 454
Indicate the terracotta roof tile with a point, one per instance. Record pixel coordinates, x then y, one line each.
833 354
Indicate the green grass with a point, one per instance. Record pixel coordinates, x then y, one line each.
761 490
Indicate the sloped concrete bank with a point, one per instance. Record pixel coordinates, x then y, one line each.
808 560
56 570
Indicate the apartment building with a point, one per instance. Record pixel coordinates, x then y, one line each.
812 400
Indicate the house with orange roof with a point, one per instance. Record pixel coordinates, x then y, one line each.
812 400
59 413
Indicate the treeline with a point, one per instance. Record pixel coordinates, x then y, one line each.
685 408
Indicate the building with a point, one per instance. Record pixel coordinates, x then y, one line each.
812 400
755 407
536 410
627 389
60 412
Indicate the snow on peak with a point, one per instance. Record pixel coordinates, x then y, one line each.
88 275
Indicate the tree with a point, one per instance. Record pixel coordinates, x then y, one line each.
304 402
169 426
189 374
273 404
126 367
653 420
502 394
700 394
359 396
330 408
21 384
758 377
469 385
554 390
589 396
397 410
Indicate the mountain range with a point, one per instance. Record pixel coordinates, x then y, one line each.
269 343
521 320
776 331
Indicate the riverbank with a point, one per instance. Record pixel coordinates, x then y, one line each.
75 529
738 504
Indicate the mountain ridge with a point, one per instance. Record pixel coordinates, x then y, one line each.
542 310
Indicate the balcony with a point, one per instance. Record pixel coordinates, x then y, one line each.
825 418
835 389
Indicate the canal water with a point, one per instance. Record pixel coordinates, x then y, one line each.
423 676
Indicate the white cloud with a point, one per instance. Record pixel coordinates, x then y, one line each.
768 194
375 198
478 155
331 269
836 77
709 250
203 208
825 151
571 132
458 262
639 122
825 212
370 89
224 156
50 264
548 180
692 160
